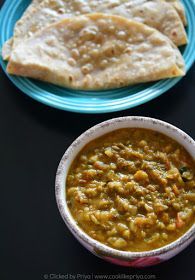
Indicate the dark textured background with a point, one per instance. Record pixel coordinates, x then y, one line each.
33 238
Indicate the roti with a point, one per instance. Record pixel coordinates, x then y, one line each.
178 6
7 48
155 13
97 51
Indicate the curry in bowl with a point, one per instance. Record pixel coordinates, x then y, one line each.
132 189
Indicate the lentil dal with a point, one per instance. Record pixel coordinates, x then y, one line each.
133 189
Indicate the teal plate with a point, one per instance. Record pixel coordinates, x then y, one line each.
88 101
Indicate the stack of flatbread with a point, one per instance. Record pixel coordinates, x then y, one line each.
98 44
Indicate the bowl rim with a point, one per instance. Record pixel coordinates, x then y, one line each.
60 186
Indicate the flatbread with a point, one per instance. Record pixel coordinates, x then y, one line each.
97 51
155 13
179 7
7 48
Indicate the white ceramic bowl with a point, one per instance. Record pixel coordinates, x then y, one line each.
134 259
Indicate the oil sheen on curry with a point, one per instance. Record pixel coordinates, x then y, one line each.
133 190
